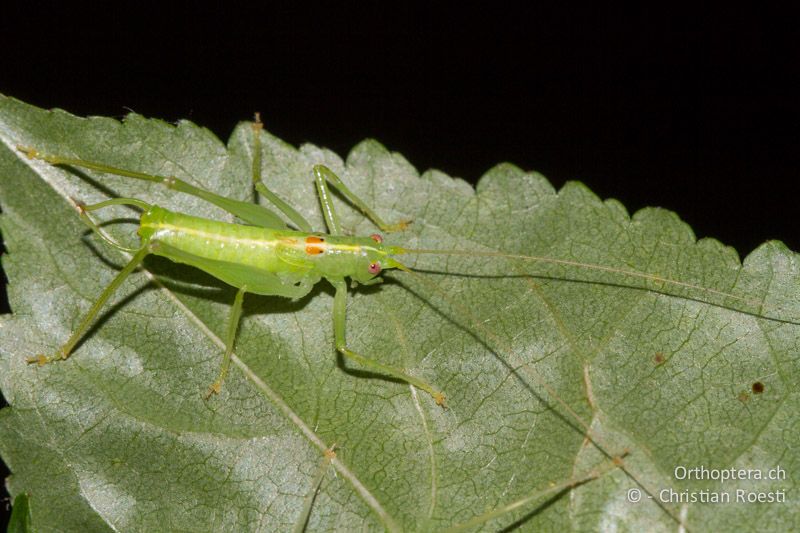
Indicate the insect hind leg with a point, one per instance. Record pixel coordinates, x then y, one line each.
247 211
295 217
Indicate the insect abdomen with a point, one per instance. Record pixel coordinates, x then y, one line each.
210 239
280 252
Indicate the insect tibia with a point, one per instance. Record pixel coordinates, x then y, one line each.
83 210
144 206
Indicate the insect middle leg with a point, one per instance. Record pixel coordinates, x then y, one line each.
76 336
233 326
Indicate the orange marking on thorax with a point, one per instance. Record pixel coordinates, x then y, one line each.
313 245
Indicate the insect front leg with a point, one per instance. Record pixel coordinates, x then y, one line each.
339 328
233 326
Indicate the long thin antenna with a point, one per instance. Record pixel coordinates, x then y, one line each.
655 278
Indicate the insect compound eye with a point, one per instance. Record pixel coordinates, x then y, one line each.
377 238
374 268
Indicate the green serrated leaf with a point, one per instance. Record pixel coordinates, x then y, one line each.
118 437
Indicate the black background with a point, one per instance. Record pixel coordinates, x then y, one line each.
694 110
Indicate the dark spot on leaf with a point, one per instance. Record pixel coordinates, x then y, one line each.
659 358
758 387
